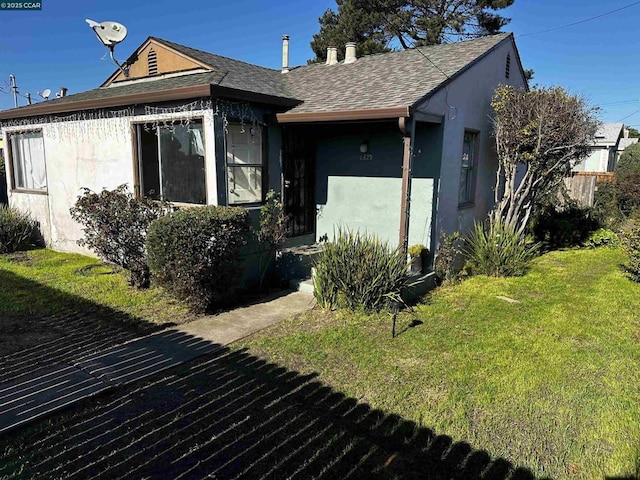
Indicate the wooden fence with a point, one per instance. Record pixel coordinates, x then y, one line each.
583 185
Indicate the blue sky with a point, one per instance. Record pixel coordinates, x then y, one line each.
54 47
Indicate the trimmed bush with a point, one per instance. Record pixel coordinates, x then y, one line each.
195 254
565 227
16 229
115 226
359 271
498 250
630 240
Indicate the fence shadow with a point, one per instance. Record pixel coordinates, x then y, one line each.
226 414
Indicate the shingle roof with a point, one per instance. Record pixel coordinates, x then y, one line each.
384 80
625 142
609 132
396 79
237 74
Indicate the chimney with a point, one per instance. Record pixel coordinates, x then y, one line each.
350 53
62 92
332 55
625 132
285 54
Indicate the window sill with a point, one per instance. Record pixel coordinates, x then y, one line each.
466 206
29 191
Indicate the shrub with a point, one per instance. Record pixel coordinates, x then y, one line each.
16 229
602 238
605 209
567 226
359 271
448 262
498 250
115 226
271 233
627 184
195 254
630 240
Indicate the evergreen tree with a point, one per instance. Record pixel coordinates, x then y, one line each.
373 24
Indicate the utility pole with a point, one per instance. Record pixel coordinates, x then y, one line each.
14 88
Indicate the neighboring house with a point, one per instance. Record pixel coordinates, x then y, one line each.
623 143
611 140
397 144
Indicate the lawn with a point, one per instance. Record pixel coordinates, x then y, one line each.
82 277
541 370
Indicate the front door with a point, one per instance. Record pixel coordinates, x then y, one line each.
298 172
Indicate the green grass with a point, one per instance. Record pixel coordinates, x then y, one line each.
46 282
551 383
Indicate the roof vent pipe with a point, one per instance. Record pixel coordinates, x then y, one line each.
332 55
350 53
285 54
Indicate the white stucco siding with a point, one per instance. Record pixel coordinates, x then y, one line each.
95 154
466 105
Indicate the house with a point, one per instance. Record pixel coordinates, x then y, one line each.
397 144
611 140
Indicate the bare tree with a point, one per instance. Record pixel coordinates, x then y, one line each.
545 132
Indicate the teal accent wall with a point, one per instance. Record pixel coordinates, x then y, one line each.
364 192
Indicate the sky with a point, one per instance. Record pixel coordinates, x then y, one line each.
54 47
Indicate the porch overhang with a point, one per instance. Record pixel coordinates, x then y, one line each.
345 115
53 107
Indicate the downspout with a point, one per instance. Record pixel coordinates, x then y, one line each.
405 202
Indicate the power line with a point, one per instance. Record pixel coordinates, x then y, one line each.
635 100
630 115
580 21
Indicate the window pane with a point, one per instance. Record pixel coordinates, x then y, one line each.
182 163
27 151
466 192
244 145
149 162
245 184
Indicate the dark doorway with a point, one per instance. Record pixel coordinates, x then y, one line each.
298 171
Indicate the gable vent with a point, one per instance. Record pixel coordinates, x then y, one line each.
507 69
152 62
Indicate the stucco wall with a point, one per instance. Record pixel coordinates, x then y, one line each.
96 154
466 104
597 161
363 192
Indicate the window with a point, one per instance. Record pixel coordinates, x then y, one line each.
27 161
466 194
152 62
244 164
172 163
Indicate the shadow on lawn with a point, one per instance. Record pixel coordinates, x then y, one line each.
43 326
227 414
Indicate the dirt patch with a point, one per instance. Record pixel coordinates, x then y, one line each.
22 258
20 332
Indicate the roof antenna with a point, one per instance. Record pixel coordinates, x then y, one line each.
110 34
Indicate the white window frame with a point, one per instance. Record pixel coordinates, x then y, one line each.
21 184
259 132
468 170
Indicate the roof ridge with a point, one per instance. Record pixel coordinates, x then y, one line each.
214 54
405 50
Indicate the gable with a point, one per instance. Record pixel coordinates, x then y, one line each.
154 58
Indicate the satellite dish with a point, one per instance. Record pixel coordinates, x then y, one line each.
110 34
46 93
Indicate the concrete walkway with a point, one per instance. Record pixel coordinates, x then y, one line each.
47 390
